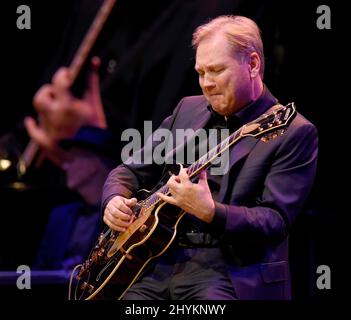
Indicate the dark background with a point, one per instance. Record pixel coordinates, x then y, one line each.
154 69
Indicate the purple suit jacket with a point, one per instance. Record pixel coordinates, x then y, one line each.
264 190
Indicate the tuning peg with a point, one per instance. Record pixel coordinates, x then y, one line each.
269 136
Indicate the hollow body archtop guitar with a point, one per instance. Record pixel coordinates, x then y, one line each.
118 258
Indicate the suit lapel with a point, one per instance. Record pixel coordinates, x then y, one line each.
241 149
201 118
236 153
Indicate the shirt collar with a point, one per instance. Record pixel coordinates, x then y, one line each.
251 111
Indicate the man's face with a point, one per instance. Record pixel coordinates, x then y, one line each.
224 80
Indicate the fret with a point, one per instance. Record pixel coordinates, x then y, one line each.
198 164
192 168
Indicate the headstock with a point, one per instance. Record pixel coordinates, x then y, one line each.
270 124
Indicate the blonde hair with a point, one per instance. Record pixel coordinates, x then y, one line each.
242 33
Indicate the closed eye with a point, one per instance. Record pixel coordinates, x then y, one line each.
217 70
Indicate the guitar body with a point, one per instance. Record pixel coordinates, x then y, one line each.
118 259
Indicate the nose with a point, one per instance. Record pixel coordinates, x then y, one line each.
208 84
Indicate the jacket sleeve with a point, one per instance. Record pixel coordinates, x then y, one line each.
284 192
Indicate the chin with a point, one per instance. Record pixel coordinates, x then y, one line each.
223 111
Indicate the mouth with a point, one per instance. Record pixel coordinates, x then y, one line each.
214 96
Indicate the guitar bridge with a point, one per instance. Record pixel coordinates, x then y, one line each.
87 286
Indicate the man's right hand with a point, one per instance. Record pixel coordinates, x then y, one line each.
118 214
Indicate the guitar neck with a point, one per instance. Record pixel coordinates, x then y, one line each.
90 38
206 160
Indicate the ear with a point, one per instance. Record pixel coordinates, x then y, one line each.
254 65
